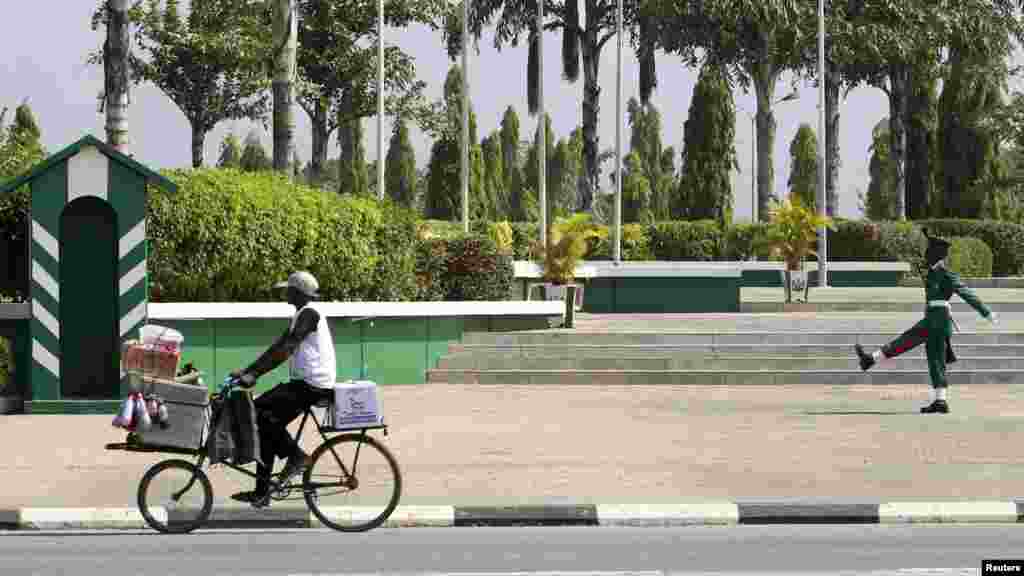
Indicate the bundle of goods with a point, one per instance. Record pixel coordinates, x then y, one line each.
180 400
154 355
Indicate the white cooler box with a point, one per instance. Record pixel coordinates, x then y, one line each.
356 405
188 413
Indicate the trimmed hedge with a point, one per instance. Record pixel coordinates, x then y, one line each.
1005 239
682 240
228 236
476 270
970 258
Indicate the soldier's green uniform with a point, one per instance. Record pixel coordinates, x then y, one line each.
936 328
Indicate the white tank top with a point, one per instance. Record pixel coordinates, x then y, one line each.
313 361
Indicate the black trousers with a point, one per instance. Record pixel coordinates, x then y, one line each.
275 409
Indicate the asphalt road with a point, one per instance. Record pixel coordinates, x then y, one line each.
860 550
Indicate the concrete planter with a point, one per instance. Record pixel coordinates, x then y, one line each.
559 292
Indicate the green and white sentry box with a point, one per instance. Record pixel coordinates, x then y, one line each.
87 259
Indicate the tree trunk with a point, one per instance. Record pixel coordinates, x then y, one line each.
832 161
115 67
198 144
591 105
764 87
320 138
285 32
919 145
898 83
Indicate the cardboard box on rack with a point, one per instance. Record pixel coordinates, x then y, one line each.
356 405
149 360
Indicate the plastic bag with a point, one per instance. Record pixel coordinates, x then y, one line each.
124 417
145 423
246 432
220 447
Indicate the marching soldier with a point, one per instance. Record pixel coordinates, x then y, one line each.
936 328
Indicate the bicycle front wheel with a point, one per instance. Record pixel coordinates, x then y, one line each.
354 483
175 497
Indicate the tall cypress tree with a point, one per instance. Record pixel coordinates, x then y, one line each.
803 172
709 151
400 166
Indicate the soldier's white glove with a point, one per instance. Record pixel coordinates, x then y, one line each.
993 319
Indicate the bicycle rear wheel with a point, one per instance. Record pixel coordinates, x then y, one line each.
175 497
354 483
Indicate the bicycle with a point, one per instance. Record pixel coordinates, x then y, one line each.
175 515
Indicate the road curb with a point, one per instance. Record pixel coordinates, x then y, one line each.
630 515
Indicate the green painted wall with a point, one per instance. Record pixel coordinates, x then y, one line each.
662 294
837 278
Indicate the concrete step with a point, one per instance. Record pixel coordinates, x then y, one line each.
723 350
471 361
719 378
565 338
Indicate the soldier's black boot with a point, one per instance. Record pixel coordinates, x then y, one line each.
936 407
866 360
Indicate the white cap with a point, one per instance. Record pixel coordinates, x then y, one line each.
302 281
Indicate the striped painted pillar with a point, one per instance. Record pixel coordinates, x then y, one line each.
87 171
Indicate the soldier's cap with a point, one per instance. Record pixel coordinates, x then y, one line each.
302 281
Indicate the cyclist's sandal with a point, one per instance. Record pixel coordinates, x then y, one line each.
257 499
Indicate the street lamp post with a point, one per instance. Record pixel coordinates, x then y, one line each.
822 168
380 99
465 115
618 136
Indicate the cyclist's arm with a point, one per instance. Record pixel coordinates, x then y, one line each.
286 344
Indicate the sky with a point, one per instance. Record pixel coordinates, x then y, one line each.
48 66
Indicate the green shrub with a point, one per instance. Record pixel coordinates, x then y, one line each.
523 236
970 257
699 240
476 270
431 269
228 236
1005 239
635 244
739 242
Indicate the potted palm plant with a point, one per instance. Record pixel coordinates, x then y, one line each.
791 236
565 247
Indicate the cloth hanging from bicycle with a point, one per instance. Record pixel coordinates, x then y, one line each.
235 434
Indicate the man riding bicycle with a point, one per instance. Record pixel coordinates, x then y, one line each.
309 347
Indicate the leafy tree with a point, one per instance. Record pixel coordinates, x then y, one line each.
338 55
584 36
254 155
971 168
20 145
285 21
494 174
531 172
709 151
400 166
890 41
511 165
444 189
115 73
230 152
803 172
637 200
208 63
645 142
352 176
880 201
753 41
